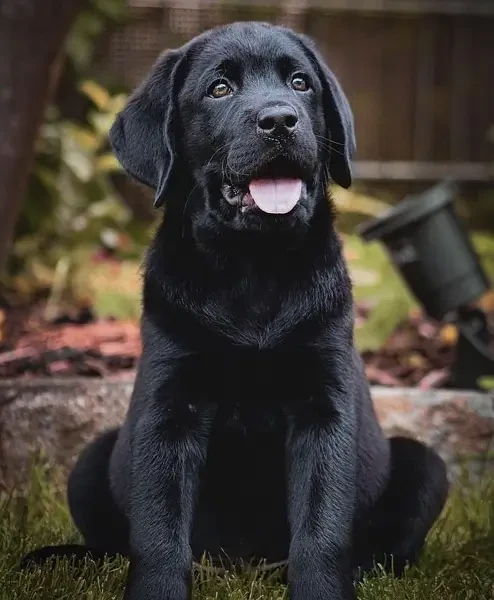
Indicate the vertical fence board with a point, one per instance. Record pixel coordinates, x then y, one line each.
481 99
421 85
396 113
459 130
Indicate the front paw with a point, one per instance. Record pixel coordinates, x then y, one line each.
155 585
319 587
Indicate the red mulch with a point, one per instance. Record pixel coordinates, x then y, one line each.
417 354
33 347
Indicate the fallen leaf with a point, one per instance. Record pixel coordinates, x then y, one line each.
59 366
380 377
427 330
487 301
415 313
365 277
487 383
434 379
416 361
96 93
107 162
449 334
350 253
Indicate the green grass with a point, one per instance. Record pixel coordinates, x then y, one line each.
458 563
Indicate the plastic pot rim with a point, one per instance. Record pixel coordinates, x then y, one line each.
411 209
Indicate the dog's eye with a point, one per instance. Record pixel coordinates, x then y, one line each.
299 83
220 89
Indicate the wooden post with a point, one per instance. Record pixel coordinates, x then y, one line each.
32 34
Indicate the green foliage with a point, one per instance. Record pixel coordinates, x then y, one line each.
487 383
484 245
377 283
457 563
90 25
113 288
71 205
353 202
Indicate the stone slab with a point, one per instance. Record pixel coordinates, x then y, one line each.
59 417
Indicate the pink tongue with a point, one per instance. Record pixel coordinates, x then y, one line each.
276 196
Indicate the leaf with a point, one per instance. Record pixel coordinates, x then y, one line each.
352 202
80 48
364 277
76 159
449 334
391 310
107 163
47 177
96 93
42 273
487 301
416 361
114 9
487 382
86 138
102 122
117 103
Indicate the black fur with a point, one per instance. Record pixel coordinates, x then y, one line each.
251 433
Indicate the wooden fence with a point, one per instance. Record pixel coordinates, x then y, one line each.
419 74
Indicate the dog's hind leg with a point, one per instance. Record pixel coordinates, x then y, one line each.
91 503
93 509
398 524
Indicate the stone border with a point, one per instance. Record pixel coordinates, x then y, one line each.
60 416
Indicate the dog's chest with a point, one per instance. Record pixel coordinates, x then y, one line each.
244 380
253 312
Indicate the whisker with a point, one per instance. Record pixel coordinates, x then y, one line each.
214 154
233 171
337 151
185 208
329 144
265 158
195 187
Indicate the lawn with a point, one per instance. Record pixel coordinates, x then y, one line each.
458 563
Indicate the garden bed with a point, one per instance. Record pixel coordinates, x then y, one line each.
420 352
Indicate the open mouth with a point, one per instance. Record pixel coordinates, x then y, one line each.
277 196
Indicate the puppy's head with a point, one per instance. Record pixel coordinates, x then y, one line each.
246 121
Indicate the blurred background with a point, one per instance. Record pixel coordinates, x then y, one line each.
419 77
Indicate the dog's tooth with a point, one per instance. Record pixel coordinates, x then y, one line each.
230 194
226 191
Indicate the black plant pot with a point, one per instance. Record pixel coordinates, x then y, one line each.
431 250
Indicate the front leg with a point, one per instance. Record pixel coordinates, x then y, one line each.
321 453
169 447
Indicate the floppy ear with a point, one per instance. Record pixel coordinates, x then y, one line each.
142 135
339 117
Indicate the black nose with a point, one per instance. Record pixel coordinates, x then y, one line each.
277 120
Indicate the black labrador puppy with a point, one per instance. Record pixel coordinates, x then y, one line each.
251 433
